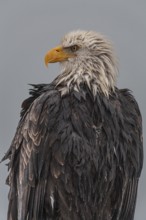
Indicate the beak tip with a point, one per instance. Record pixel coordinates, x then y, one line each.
46 62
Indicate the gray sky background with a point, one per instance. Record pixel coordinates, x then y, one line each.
28 28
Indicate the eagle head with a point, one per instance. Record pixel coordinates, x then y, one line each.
85 57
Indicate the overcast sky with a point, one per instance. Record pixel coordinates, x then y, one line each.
28 28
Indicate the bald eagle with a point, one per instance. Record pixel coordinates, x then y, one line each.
77 153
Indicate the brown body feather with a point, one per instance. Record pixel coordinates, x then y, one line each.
75 157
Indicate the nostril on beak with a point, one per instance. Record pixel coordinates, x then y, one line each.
57 50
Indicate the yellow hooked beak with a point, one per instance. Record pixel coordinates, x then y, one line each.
57 54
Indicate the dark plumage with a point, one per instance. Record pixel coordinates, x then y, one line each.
76 155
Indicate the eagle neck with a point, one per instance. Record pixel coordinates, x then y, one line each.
71 79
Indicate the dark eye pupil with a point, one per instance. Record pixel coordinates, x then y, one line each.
74 48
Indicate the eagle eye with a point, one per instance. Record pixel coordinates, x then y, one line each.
74 48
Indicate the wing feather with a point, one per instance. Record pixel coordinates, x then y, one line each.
30 147
131 152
